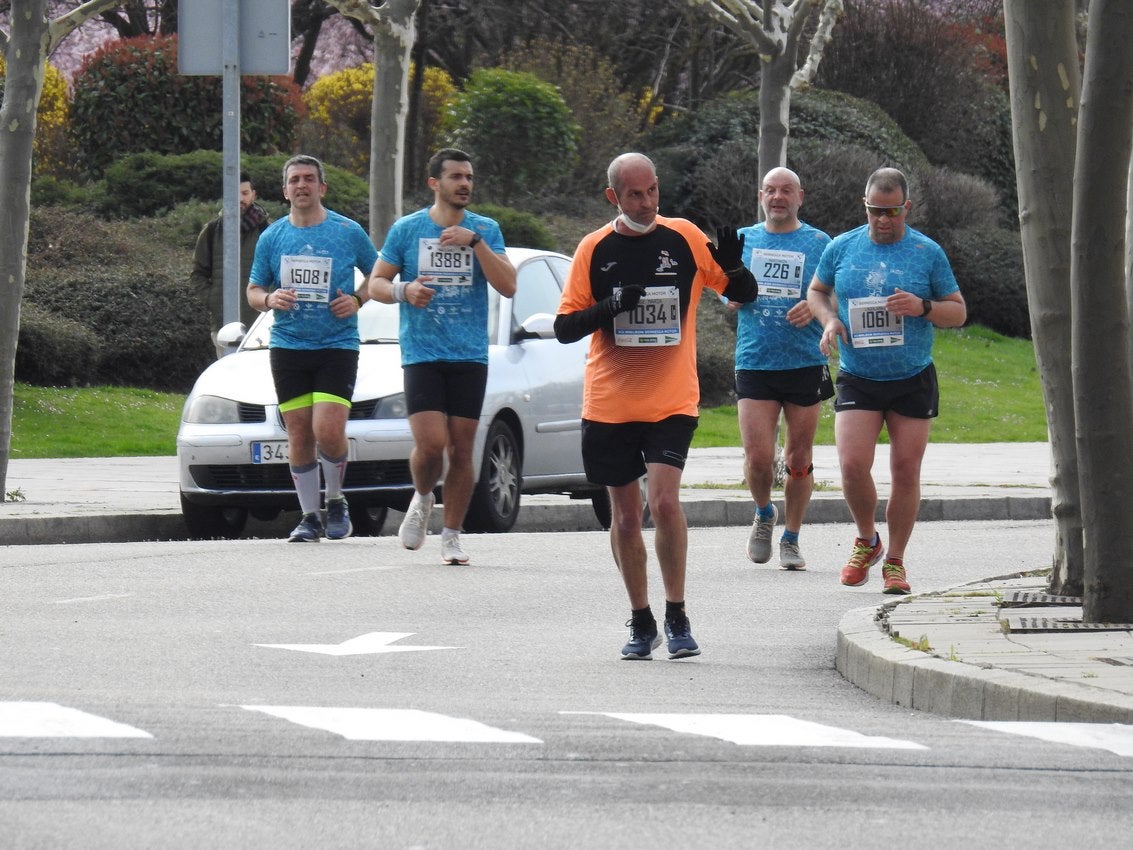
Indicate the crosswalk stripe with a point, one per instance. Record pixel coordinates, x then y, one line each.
1115 737
762 730
51 720
390 724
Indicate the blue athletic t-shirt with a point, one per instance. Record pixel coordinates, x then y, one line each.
454 325
783 265
863 274
316 262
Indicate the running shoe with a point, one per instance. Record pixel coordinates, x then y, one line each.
416 522
309 530
790 558
451 552
864 556
338 520
679 634
642 641
894 575
759 542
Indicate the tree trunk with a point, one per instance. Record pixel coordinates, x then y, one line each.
1103 380
26 58
774 110
1042 61
393 44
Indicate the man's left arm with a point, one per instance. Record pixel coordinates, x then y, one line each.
728 254
497 268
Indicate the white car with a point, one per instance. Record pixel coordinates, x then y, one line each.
232 447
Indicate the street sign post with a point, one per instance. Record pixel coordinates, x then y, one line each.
254 38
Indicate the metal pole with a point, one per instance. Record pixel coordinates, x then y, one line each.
233 286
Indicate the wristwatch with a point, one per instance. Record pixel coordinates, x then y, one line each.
476 237
927 307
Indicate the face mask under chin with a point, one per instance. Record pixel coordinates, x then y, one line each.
633 225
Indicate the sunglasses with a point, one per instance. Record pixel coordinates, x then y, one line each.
884 212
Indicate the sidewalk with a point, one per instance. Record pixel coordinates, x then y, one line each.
974 659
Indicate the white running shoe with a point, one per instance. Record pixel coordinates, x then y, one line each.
416 523
451 552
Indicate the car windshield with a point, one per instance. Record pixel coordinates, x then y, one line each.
377 323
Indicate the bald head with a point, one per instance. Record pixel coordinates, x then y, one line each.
781 195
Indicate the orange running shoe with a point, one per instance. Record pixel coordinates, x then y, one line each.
894 574
864 556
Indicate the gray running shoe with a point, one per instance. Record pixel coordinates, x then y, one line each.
338 520
789 556
416 522
759 543
643 639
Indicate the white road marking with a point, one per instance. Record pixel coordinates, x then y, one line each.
1115 737
51 720
762 730
368 644
392 724
101 598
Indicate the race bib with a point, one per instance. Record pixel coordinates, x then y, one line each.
450 265
308 276
655 321
872 325
778 273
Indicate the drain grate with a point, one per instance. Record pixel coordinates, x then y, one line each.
1020 598
1054 624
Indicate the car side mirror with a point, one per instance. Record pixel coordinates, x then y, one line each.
537 326
230 336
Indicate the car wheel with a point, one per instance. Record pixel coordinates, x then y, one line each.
367 519
495 500
212 521
604 513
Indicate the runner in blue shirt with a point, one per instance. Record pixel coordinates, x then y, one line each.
304 270
444 258
779 368
894 286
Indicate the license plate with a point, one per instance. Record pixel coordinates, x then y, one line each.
269 451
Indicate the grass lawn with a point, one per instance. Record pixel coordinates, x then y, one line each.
989 393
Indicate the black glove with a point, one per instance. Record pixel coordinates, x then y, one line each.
626 299
729 250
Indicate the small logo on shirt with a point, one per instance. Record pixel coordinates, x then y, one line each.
666 264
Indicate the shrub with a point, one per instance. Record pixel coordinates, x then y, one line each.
148 183
518 131
700 156
608 117
54 351
49 150
154 333
715 351
339 107
945 97
833 177
130 97
988 264
957 201
520 229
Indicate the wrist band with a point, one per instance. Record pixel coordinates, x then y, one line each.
399 292
354 295
267 298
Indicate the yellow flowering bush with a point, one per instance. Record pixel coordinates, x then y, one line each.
50 153
338 114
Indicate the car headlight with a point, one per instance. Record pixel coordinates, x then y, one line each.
391 407
211 410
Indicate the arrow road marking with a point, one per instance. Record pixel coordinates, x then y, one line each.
393 724
1115 737
51 720
762 730
368 644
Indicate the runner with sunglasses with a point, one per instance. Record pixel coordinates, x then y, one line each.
894 286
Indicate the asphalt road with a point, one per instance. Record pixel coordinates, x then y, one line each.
246 694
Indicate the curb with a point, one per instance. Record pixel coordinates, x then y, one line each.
869 659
